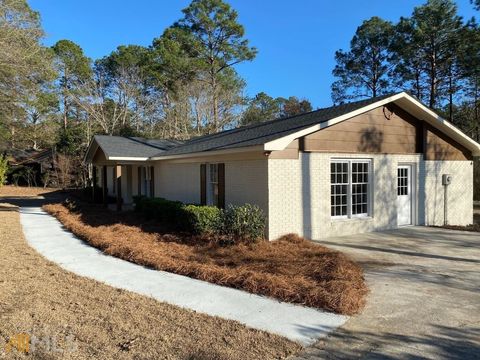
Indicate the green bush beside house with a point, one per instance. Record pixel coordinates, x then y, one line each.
244 223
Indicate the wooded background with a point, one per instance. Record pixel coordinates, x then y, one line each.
185 83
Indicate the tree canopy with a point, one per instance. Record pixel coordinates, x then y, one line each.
185 83
433 54
363 70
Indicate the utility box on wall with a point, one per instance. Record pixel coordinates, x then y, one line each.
446 179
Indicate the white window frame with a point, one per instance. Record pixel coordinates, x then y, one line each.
350 215
339 161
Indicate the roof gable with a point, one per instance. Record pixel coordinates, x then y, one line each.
128 148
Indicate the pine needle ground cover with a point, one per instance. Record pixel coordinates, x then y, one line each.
289 269
73 317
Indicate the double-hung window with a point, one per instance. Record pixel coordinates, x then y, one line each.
350 188
212 197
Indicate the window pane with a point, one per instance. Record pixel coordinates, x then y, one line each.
212 192
360 188
342 182
339 188
402 181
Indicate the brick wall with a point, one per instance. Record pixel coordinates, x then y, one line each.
178 181
299 194
460 192
245 182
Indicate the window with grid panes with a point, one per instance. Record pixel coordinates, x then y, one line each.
350 188
212 196
402 181
339 188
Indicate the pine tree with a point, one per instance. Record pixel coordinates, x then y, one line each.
363 70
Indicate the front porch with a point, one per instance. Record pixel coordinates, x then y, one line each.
123 181
117 175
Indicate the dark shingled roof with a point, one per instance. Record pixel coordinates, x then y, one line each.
259 134
256 134
119 146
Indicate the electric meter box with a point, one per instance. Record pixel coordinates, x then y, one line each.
446 179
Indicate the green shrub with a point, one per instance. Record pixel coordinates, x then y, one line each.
202 219
139 201
165 211
3 170
245 222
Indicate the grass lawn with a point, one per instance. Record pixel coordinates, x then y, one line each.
290 269
10 190
96 321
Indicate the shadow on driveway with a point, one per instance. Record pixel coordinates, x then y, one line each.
424 301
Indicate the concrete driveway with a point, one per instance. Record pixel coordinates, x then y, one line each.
424 300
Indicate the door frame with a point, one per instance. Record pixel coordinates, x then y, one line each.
413 191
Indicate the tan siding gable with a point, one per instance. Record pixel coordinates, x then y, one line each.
385 130
382 130
441 147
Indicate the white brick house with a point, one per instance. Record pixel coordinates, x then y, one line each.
370 165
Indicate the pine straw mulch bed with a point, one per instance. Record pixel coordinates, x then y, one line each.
290 269
41 299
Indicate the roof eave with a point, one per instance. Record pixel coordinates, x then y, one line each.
127 158
209 153
416 108
91 150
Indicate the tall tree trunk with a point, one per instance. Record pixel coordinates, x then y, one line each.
215 102
477 120
450 95
65 101
433 80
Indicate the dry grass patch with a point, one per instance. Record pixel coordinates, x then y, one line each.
41 299
10 190
290 269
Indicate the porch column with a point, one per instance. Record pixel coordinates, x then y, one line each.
139 180
118 175
104 184
94 181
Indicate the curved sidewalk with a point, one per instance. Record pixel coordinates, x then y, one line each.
47 235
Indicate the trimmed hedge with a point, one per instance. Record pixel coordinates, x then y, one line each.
176 215
203 219
245 222
165 211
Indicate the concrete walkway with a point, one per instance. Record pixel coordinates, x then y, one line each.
304 325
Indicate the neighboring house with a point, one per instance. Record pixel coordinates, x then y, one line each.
369 165
27 167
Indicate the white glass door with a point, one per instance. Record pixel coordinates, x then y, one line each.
404 195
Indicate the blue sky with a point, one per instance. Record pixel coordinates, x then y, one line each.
296 40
